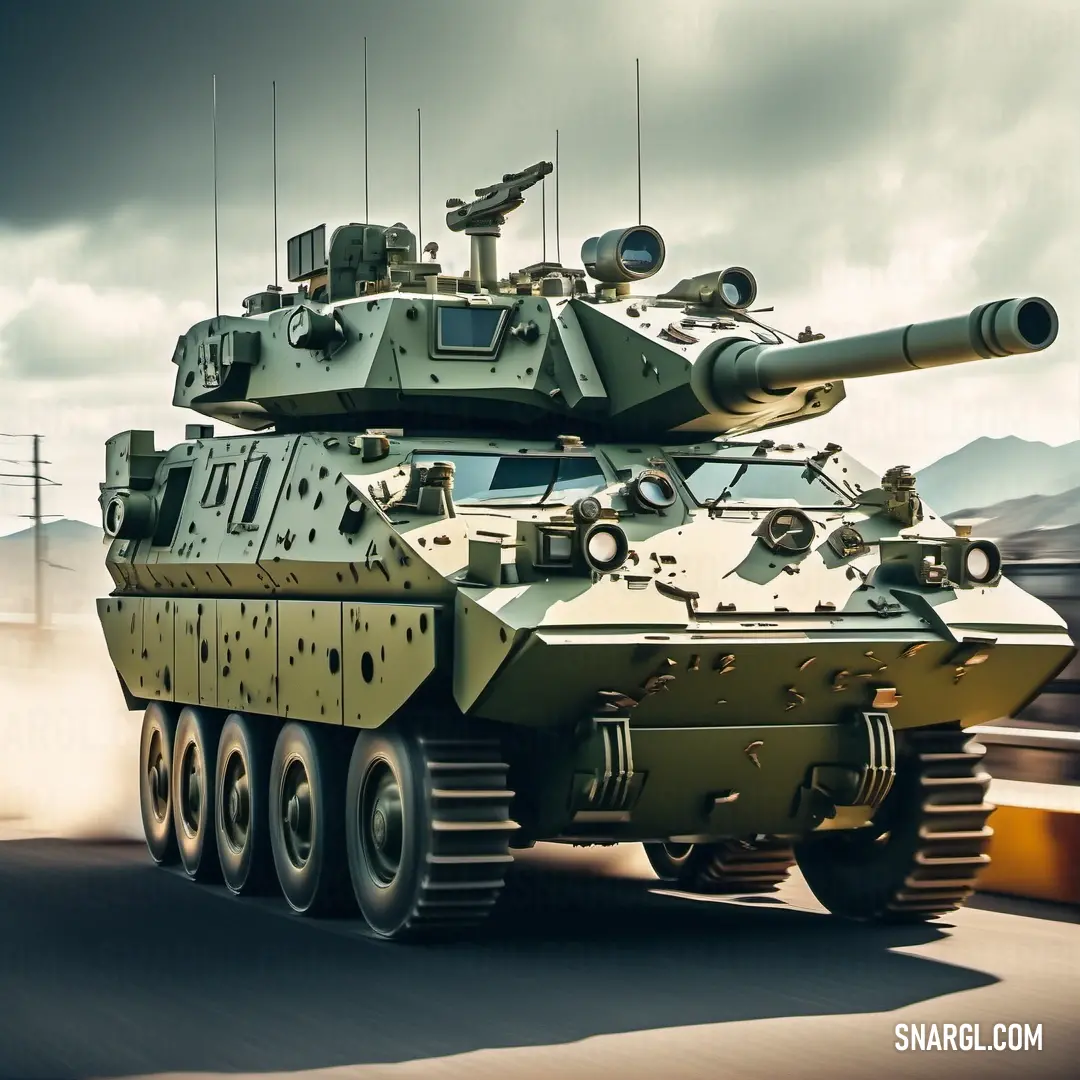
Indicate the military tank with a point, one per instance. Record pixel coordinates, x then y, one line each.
489 561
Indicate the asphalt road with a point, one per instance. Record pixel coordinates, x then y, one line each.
112 967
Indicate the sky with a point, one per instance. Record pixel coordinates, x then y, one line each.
873 164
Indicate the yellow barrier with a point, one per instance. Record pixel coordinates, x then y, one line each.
1035 851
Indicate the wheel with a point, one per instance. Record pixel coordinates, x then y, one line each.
241 817
727 866
155 790
670 862
927 845
194 757
427 829
307 818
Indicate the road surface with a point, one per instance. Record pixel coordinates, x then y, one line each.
110 967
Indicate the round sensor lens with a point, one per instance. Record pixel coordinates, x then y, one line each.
114 517
640 251
737 287
602 548
653 492
978 564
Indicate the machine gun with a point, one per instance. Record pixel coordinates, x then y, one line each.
483 218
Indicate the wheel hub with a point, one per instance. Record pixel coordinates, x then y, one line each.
237 802
382 823
157 779
191 789
296 813
300 813
238 810
378 828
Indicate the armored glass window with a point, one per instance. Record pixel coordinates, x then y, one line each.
217 487
519 480
251 485
172 503
468 329
761 482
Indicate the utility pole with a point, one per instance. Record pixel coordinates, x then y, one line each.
40 557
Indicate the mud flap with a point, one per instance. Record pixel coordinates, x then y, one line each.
842 796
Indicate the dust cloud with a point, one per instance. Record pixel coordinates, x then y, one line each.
69 747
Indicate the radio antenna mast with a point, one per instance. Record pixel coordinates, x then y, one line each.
276 282
543 217
367 213
217 279
637 72
419 189
558 256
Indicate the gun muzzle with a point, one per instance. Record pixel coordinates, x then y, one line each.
745 371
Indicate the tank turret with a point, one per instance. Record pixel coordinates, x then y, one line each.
378 337
500 574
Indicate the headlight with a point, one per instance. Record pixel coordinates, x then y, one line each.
606 548
982 562
129 515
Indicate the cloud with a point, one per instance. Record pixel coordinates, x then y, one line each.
72 330
871 164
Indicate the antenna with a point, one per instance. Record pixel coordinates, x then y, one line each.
367 213
217 279
558 257
543 217
419 188
276 284
637 72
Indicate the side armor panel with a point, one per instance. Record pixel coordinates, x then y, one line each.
353 664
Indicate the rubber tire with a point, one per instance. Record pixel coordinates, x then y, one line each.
160 837
199 729
681 871
387 907
321 886
249 872
856 881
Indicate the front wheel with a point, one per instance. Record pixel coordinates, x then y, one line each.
427 827
922 855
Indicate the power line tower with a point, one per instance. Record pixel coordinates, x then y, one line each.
40 558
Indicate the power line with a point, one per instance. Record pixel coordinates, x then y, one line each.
40 560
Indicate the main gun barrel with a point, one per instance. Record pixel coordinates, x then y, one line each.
746 372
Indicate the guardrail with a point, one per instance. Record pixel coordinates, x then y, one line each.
1031 755
1056 583
1035 849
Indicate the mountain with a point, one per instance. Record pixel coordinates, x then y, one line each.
63 530
1012 516
987 472
1056 544
74 575
1034 527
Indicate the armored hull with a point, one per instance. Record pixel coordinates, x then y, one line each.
572 598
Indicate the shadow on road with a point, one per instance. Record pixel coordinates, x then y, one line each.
108 966
1030 909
